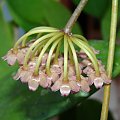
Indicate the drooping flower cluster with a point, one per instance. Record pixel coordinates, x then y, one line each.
51 60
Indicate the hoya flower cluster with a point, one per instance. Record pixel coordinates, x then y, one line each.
53 59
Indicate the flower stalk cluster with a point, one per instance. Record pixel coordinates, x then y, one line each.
42 62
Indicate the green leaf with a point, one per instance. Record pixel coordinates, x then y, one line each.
95 7
103 47
6 42
5 35
18 103
106 21
84 110
105 24
32 13
88 110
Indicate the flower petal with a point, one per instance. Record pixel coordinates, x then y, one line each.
25 76
74 86
71 71
10 57
98 82
65 90
105 78
33 85
56 85
43 80
84 85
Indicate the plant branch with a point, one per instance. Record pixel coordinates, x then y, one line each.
75 16
105 106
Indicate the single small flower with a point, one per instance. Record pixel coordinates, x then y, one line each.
56 69
60 62
89 70
56 85
43 80
54 76
105 78
82 54
21 55
87 62
84 85
74 86
11 57
95 51
81 66
71 71
98 82
33 83
65 89
44 59
91 78
23 74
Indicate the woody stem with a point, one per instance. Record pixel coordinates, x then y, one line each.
75 16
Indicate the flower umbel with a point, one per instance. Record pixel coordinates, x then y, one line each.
51 60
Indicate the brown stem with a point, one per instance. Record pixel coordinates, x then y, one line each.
75 16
